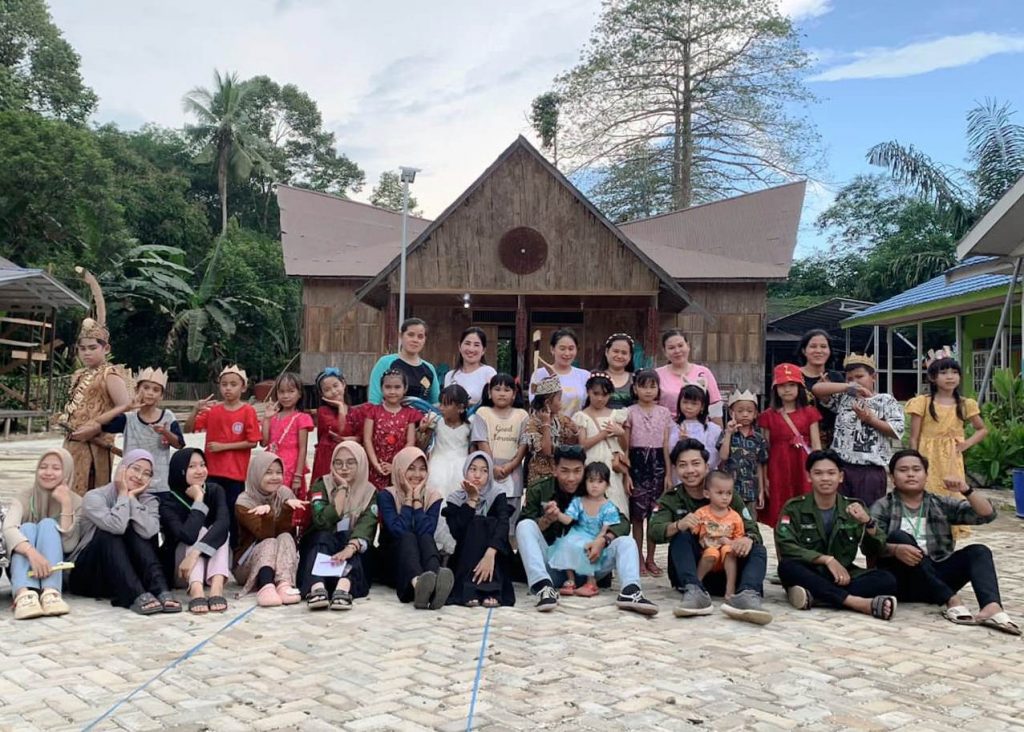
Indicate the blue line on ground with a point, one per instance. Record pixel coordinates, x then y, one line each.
479 669
183 657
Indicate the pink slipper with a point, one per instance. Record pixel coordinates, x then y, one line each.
288 594
587 590
268 597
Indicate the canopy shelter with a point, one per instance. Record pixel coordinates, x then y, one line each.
29 301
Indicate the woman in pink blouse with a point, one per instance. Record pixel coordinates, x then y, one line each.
679 370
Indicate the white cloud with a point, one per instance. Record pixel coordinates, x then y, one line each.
442 86
800 9
922 57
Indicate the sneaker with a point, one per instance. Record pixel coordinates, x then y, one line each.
632 598
695 602
547 599
27 606
745 605
53 604
799 597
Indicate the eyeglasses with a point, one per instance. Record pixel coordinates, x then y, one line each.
140 472
351 463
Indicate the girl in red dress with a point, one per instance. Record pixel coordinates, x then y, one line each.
791 427
336 421
388 428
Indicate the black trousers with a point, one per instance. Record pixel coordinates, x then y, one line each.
232 490
120 567
817 580
935 582
415 555
329 542
684 551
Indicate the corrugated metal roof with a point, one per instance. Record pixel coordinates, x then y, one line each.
24 290
935 290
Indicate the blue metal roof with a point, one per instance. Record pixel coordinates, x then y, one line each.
935 290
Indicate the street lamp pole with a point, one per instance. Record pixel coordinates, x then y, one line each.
408 176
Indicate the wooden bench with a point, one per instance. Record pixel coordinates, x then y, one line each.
9 415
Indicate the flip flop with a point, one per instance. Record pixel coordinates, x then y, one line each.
878 607
959 615
1001 622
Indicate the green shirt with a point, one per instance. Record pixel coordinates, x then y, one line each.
800 533
326 518
547 490
677 503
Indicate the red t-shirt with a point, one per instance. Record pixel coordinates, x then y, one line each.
224 425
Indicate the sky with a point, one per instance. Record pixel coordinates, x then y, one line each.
446 86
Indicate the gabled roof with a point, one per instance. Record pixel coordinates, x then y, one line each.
328 236
935 294
747 237
521 143
24 290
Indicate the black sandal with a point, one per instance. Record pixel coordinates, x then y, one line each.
883 607
146 604
168 603
341 600
317 599
218 604
198 606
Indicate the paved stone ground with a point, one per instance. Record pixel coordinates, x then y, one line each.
587 666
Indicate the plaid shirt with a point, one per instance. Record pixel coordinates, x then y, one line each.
940 512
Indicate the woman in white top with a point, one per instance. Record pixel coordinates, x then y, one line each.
564 347
471 371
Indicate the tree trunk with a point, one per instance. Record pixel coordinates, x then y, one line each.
684 183
222 188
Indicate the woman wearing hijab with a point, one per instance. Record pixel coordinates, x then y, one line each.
344 524
117 555
195 521
409 513
478 515
40 528
266 556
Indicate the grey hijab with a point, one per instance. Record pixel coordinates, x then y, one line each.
488 492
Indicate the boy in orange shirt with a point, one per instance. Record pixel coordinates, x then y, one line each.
232 430
719 526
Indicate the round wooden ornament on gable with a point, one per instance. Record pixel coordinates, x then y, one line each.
522 250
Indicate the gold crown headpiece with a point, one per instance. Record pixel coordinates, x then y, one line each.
743 396
859 359
936 354
549 385
700 382
153 375
233 369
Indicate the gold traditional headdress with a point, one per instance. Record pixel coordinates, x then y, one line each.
549 385
154 375
743 396
938 353
859 359
233 369
94 328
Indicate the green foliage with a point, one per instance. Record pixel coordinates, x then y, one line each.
388 193
544 118
38 68
991 462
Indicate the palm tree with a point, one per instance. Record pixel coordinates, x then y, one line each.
224 131
995 147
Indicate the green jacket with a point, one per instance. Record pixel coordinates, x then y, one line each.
677 503
547 490
326 518
800 533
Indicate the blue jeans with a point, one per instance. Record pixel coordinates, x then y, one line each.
684 553
45 537
533 551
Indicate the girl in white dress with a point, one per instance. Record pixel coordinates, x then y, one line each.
602 435
448 453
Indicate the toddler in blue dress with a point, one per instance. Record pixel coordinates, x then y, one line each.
589 516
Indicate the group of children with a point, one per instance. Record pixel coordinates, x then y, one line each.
627 447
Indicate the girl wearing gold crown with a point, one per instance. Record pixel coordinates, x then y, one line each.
99 393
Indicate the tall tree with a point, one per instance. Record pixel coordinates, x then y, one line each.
38 68
299 150
995 148
388 193
544 118
706 85
225 133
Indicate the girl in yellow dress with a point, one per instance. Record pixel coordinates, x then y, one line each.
937 425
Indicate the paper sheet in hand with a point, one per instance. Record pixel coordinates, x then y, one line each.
324 567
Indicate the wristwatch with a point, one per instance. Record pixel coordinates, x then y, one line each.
870 524
968 492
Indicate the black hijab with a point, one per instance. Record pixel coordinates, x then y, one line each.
178 468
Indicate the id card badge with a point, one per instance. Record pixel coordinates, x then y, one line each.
342 525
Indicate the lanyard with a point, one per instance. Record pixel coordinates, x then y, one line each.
182 500
916 525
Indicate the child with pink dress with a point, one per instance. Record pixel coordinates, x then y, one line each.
286 429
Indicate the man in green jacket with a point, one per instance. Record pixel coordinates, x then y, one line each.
538 527
818 535
674 522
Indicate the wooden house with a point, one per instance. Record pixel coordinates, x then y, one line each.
522 251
